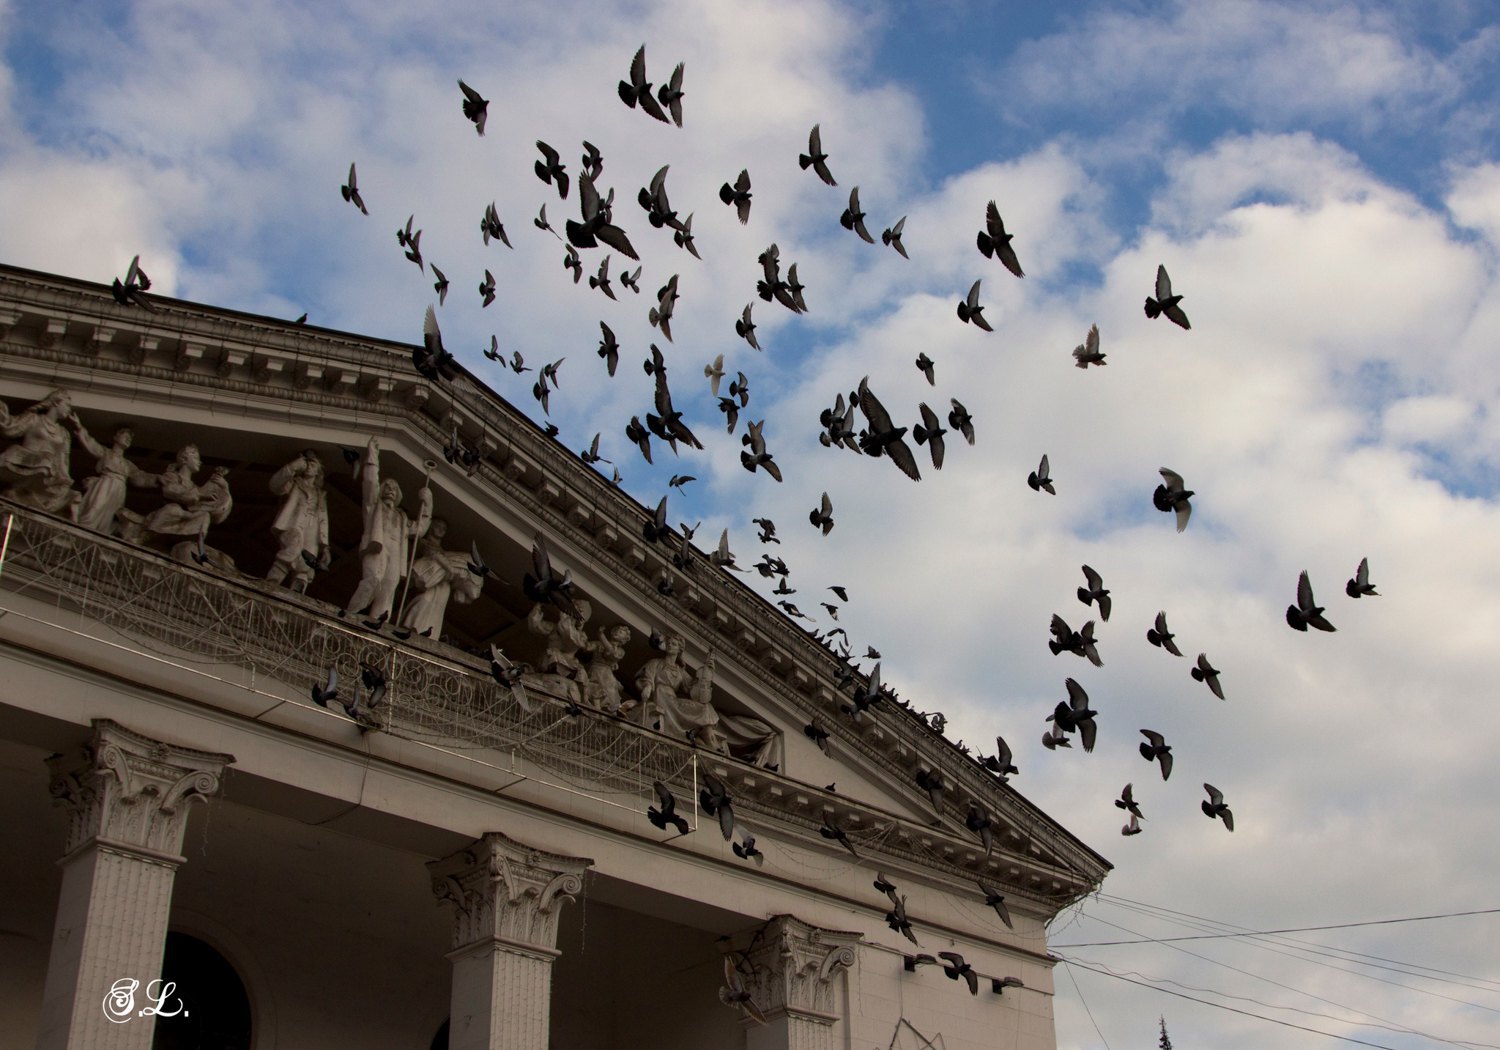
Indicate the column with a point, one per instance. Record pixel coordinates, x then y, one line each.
795 965
126 795
506 898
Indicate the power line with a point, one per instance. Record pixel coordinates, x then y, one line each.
1202 923
1085 1003
1354 973
1376 1020
1293 929
1395 1027
1232 1009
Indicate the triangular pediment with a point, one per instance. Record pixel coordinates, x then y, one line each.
257 397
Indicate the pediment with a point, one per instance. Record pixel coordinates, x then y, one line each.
257 396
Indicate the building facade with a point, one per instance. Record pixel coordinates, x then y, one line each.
322 827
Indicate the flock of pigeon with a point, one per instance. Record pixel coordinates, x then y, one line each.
860 424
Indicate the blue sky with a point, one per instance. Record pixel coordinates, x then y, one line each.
1322 182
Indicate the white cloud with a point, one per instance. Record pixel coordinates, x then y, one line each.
1335 384
1273 63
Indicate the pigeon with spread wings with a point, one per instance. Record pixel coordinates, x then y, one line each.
1164 302
883 437
815 158
994 242
637 90
476 106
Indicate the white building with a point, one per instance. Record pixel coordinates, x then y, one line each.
461 870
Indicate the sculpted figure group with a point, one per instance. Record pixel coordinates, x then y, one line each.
36 472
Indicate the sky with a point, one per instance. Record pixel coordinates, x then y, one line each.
1322 182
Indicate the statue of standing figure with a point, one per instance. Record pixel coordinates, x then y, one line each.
438 577
36 470
387 531
301 525
104 493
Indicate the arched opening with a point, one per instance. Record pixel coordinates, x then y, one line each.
215 1009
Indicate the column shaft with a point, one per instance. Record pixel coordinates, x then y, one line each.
126 796
506 898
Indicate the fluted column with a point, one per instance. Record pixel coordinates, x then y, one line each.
794 970
506 899
127 798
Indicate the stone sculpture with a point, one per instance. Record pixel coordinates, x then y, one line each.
104 493
603 689
301 525
437 577
36 470
679 702
565 641
383 544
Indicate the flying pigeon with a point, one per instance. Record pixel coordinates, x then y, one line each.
738 195
1155 748
994 242
1087 352
1161 637
1306 612
815 158
1172 497
1359 585
1216 807
969 310
892 236
1165 302
476 107
1041 477
1208 674
1095 592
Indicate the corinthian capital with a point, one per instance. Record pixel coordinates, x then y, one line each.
795 965
505 891
130 791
